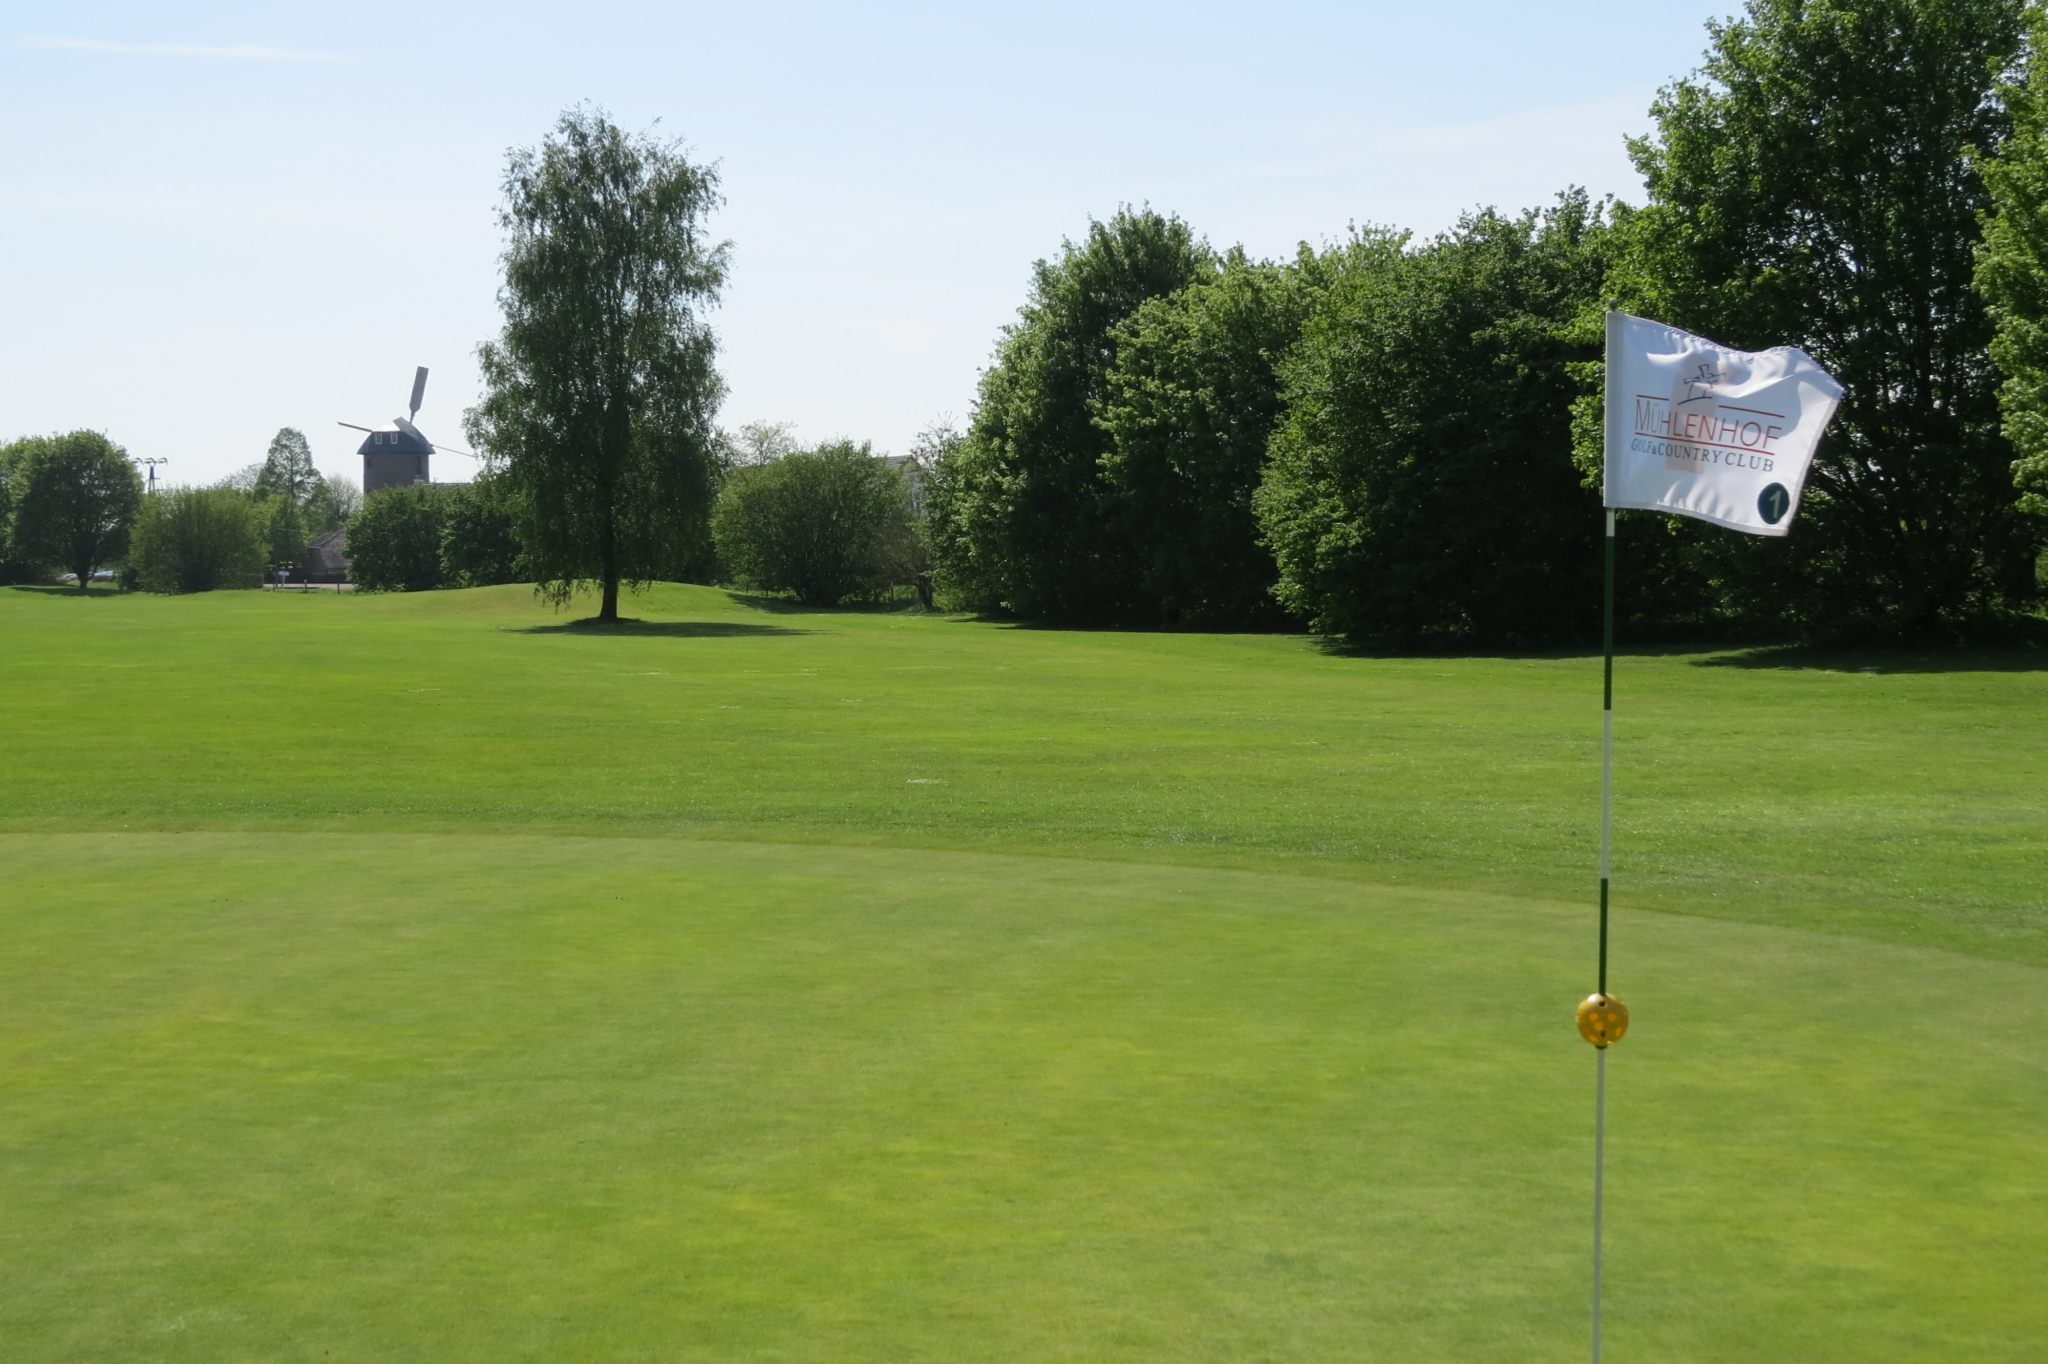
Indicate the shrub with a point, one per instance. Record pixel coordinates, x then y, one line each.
826 524
479 544
394 542
428 535
12 568
197 540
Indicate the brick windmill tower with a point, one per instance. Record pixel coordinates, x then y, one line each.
396 454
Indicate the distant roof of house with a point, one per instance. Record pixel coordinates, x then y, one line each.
326 553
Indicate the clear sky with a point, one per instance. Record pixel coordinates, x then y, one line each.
218 219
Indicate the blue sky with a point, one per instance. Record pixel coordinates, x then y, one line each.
216 220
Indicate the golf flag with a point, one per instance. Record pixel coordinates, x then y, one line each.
1705 431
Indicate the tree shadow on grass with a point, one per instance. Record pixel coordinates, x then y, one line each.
1339 648
1096 627
97 592
789 606
1810 658
1759 658
664 629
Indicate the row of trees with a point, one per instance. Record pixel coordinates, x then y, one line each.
255 522
602 462
429 535
75 503
824 523
1388 439
298 501
1397 441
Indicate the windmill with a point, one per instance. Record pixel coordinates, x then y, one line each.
396 454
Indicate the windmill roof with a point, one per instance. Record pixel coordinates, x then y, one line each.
389 440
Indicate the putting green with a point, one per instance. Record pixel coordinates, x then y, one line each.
491 1097
413 977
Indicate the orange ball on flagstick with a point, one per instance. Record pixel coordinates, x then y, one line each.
1603 1020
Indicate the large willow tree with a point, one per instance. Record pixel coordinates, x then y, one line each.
600 393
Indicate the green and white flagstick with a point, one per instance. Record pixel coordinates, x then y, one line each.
1704 431
1602 1018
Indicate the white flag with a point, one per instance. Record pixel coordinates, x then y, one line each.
1702 430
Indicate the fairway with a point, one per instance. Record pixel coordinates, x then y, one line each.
418 977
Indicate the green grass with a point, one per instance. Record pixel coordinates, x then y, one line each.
411 977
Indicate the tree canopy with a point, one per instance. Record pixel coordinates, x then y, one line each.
420 536
761 443
2012 269
1023 516
288 470
1817 183
77 496
394 542
601 390
12 456
1421 488
479 535
1189 405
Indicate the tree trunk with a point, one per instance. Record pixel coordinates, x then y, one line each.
608 557
618 437
84 576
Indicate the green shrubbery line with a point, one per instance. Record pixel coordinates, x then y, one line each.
826 525
1398 441
75 503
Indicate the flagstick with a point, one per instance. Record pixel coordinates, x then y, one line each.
1606 842
1599 1170
1606 746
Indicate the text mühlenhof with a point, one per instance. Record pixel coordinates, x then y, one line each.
1701 430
